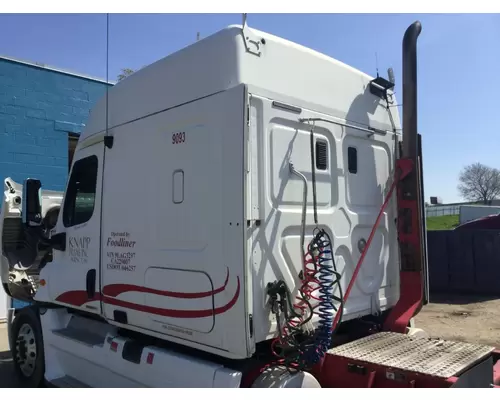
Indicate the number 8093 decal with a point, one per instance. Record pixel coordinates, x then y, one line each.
179 137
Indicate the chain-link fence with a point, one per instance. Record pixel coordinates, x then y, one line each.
438 211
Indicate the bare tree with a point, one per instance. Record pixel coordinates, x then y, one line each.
479 182
125 72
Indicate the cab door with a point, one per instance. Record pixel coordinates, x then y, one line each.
74 271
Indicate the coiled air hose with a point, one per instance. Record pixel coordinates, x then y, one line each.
328 281
326 277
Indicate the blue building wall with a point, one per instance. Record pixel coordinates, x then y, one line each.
39 107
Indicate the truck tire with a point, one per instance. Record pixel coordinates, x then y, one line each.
27 349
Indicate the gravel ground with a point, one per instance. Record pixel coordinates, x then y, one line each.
466 319
462 318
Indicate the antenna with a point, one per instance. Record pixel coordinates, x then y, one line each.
244 16
108 140
197 36
376 63
107 72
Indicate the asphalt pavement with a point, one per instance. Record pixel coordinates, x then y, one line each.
7 376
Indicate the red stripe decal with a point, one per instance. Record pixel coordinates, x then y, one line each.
77 297
116 289
165 312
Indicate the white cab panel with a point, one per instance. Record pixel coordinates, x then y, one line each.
173 245
349 198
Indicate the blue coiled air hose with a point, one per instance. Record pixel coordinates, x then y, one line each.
328 278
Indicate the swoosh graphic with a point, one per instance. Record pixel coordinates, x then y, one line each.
79 298
116 289
165 312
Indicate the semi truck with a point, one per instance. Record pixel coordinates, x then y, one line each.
243 213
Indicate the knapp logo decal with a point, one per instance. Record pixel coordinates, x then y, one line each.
79 249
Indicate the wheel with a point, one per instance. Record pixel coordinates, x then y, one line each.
27 349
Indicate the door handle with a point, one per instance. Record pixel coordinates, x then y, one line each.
91 275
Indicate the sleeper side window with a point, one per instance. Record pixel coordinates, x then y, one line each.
80 194
352 160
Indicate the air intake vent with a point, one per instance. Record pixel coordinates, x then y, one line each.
321 155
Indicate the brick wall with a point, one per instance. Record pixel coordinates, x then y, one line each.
38 108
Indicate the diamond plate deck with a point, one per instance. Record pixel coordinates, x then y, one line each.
440 358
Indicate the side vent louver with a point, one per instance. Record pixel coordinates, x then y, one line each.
321 155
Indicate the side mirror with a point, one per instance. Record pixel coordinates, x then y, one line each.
31 203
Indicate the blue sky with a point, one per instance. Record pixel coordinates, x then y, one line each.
459 58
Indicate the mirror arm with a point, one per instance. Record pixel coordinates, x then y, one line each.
58 241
